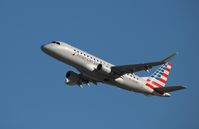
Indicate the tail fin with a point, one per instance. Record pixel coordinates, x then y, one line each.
159 78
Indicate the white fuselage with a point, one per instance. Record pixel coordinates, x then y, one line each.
86 64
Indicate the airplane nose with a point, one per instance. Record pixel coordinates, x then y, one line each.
43 48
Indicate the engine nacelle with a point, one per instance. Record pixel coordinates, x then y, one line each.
72 78
103 69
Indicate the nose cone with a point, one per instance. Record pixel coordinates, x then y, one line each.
43 48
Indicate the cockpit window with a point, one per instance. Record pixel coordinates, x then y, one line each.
56 42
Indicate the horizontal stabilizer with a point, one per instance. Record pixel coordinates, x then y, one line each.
169 88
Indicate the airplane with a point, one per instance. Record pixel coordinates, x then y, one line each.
95 70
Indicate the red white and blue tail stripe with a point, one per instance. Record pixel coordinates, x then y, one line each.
159 78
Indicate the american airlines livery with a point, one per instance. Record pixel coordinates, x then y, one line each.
95 70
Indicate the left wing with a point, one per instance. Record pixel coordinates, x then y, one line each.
120 70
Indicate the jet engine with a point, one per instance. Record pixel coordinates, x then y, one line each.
72 78
103 69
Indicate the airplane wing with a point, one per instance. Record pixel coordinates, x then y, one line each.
169 88
123 69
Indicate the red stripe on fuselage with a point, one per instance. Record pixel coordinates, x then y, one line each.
154 83
149 85
158 85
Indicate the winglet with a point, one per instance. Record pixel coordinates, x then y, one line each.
169 58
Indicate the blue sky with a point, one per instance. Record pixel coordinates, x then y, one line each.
32 90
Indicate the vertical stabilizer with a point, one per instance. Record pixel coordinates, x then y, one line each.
159 78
